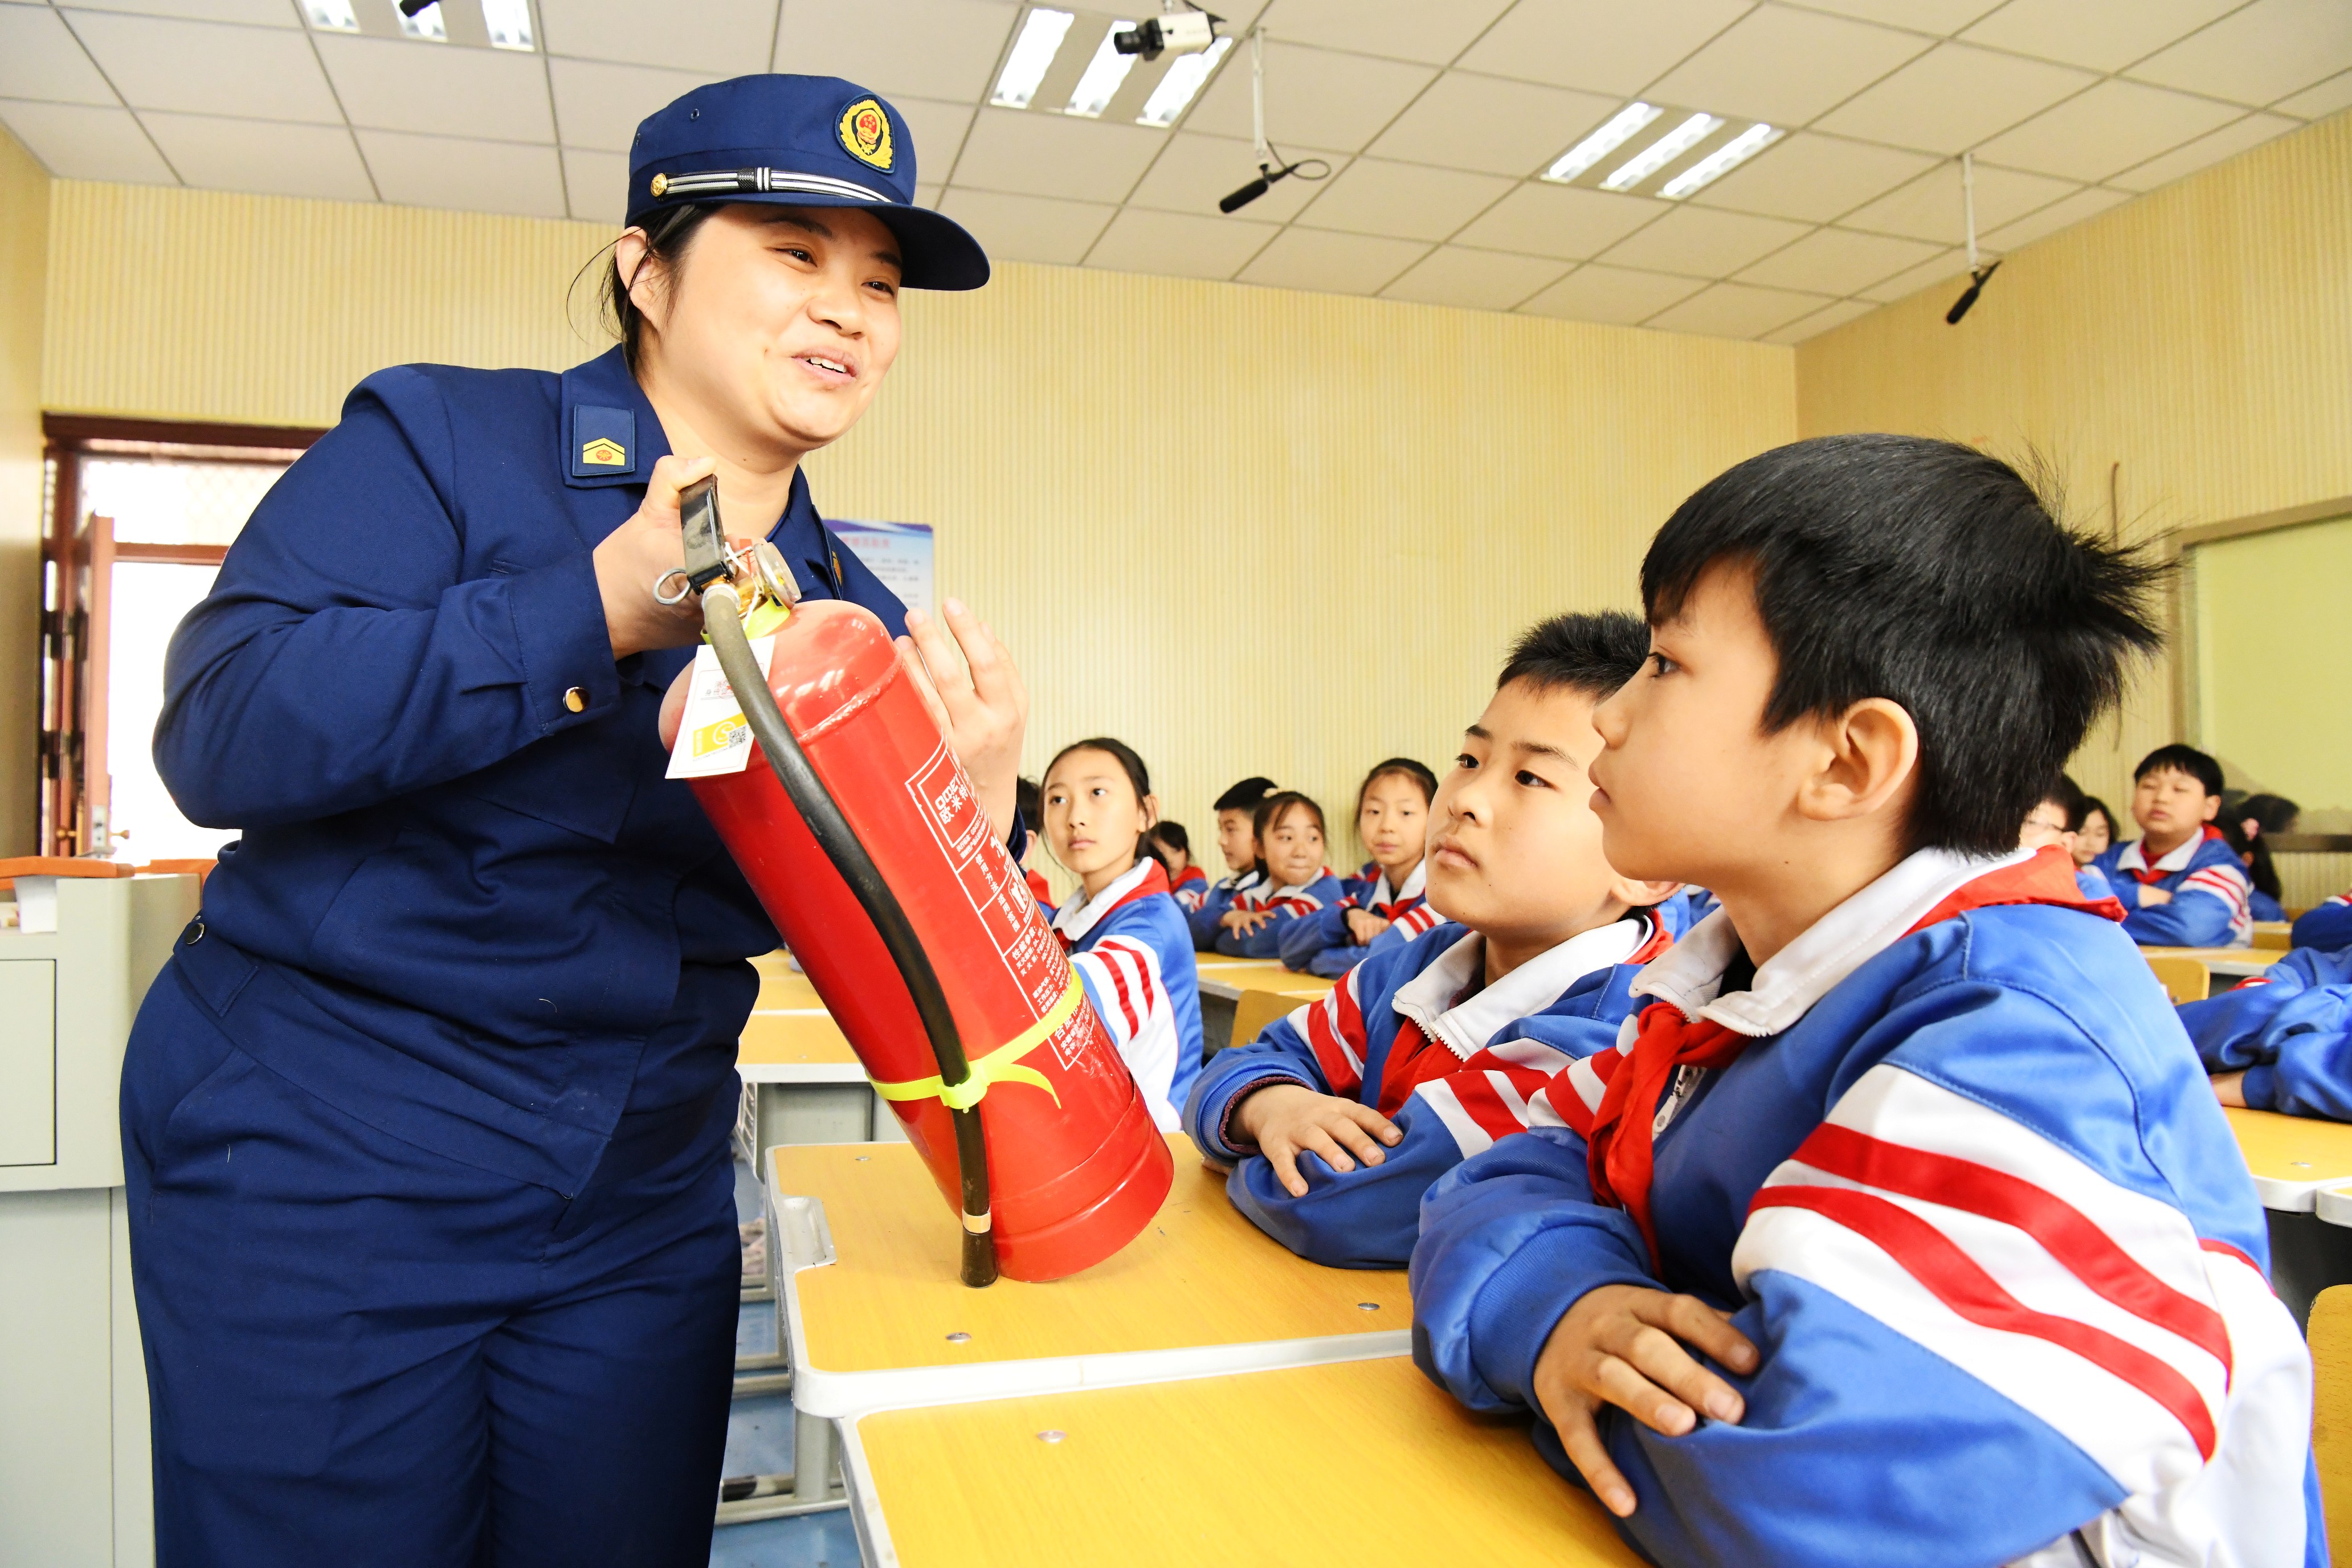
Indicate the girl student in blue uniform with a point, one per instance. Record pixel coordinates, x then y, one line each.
426 1121
1122 928
1292 882
1393 821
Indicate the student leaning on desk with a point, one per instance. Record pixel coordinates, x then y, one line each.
425 1123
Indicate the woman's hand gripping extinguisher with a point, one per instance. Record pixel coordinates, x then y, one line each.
1079 1168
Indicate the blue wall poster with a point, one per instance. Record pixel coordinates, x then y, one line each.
900 553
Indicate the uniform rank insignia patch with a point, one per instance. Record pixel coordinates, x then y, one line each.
603 442
865 131
604 453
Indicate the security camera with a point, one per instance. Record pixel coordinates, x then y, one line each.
1177 32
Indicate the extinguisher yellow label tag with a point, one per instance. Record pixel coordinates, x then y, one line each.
713 737
1001 1065
724 735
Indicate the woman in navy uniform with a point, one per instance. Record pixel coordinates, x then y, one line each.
425 1123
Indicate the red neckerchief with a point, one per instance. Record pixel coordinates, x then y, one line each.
2147 876
1191 874
1155 880
1619 1153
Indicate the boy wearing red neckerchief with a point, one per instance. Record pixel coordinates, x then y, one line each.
1901 1226
2180 884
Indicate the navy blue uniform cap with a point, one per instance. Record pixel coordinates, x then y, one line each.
803 142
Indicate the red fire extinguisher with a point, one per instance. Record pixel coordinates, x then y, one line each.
923 940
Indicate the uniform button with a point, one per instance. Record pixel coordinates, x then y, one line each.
576 700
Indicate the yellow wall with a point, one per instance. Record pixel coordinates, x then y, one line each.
2272 635
1246 530
24 256
2200 337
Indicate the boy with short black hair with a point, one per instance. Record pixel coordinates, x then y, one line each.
1237 842
1900 1226
1338 1118
2179 881
2057 818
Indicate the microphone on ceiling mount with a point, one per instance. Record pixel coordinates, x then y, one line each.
411 7
1977 274
1270 167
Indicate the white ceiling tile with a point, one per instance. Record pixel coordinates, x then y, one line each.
2113 126
2329 95
596 184
2103 35
1374 196
599 105
1950 267
2063 213
273 159
204 67
1814 177
2205 151
1562 221
40 60
725 37
252 13
2270 50
928 194
1929 207
1502 127
1820 320
1316 98
1332 263
1601 45
1942 18
1736 310
1613 294
1703 243
1786 67
1433 31
937 130
1953 96
472 177
82 141
1195 172
1028 229
1475 279
1839 261
1051 155
924 49
392 84
1181 245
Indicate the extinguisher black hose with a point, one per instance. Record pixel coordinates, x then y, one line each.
722 619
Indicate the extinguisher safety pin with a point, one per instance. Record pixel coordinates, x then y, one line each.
684 587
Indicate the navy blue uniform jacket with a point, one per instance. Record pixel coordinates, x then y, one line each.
461 912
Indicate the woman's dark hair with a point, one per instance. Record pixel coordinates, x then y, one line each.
1274 808
1932 576
1398 768
1244 796
667 237
2272 813
1131 764
1173 835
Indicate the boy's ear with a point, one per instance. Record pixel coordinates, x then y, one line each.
1636 895
1869 760
2212 808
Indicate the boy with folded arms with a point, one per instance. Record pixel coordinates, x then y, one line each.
1338 1118
1900 1226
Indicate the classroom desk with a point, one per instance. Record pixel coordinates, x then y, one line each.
2296 1160
1363 1462
2274 933
2238 963
803 1082
1228 978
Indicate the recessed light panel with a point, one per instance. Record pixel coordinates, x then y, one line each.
1646 149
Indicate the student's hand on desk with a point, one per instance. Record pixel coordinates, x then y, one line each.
978 700
1285 1120
1363 925
2230 1089
1241 922
1622 1345
2149 898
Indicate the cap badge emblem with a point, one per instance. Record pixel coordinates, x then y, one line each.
605 453
865 132
661 185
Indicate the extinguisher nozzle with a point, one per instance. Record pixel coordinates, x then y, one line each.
978 1258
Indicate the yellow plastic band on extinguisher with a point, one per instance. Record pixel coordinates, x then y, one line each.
1001 1065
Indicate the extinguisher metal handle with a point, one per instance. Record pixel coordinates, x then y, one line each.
722 619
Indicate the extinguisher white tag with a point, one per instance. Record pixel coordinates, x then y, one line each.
712 738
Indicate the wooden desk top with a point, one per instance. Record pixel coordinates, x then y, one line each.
783 990
793 1039
2292 1157
1232 976
1363 1462
2240 960
1198 1276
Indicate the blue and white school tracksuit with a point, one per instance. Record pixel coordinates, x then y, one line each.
2326 926
1130 949
1969 1195
2289 1029
2209 888
1286 905
1202 919
1453 1071
1189 888
1321 944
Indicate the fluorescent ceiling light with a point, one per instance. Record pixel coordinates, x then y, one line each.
1177 88
1662 151
1603 141
1720 162
1031 57
1104 73
425 23
333 16
510 23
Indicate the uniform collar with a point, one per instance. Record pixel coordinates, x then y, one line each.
604 403
1140 881
1380 894
2135 857
1533 988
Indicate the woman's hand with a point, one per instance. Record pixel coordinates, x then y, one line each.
1364 926
978 700
1622 1345
1285 1120
637 552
